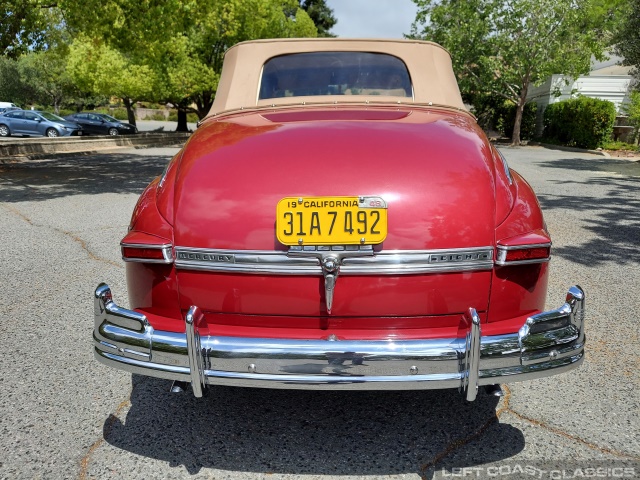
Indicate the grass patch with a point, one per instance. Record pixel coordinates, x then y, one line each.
612 145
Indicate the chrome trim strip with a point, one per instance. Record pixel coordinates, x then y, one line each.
167 252
505 165
523 262
333 103
467 360
296 262
524 247
145 245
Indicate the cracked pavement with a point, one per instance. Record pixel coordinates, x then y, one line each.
63 415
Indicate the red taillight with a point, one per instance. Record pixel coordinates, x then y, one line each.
135 253
535 253
523 254
530 247
142 247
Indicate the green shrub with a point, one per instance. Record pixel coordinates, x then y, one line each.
119 113
633 110
527 125
47 108
496 113
191 117
153 106
581 122
155 116
485 108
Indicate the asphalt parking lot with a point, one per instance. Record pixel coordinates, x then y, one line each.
63 415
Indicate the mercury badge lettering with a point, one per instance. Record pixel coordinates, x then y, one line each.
361 267
206 257
461 257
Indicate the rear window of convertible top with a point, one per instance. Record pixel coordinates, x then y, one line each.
334 73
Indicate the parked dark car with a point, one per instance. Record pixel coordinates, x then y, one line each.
31 122
101 124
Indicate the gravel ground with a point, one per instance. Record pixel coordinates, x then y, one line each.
63 415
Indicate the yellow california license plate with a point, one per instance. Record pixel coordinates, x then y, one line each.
331 220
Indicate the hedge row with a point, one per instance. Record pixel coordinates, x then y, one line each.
580 122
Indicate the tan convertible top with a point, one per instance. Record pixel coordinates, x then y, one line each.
428 63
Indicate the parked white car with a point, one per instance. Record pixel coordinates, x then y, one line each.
4 106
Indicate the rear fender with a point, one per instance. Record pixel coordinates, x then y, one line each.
519 290
151 286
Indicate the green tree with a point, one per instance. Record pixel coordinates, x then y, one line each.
25 25
45 72
97 68
628 38
183 42
197 56
321 14
12 87
606 17
502 47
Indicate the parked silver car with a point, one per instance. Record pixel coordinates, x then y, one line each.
30 122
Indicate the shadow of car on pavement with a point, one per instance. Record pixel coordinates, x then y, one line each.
308 432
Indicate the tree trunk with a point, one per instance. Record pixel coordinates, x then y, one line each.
128 103
202 110
203 104
182 121
515 137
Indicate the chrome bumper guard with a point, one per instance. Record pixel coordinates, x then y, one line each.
548 343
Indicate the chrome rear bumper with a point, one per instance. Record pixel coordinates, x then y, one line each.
548 343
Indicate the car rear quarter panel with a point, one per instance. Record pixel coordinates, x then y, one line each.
152 287
519 288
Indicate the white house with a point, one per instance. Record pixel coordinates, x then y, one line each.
607 81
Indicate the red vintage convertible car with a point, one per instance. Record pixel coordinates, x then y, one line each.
338 221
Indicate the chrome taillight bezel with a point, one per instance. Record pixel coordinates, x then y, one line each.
503 250
165 249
